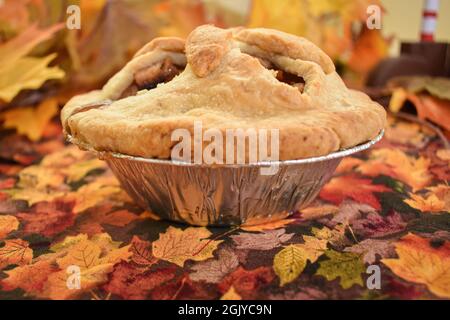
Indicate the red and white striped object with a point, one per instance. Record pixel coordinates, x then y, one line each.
429 18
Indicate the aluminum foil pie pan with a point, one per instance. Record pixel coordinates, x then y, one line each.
224 195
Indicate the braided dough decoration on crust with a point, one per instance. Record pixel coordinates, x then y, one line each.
228 79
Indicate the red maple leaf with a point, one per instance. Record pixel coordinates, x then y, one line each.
351 186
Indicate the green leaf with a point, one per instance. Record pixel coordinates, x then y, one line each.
348 266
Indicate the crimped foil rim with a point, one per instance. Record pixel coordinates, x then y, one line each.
337 154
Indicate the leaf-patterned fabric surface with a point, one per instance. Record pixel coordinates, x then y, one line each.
62 213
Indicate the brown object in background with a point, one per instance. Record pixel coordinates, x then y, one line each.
417 58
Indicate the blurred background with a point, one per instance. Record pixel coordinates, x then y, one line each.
51 50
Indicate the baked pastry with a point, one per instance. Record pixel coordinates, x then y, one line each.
227 78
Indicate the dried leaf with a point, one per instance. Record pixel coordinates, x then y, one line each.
47 218
94 256
15 251
395 163
7 225
213 270
131 283
373 225
419 262
247 283
290 262
31 121
142 252
370 248
231 294
178 246
261 241
27 73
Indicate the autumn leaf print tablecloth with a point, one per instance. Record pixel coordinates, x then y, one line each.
62 213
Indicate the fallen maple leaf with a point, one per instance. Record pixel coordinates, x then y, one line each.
102 189
351 186
247 283
231 294
213 270
95 257
47 218
7 225
92 220
290 262
268 226
429 203
19 71
347 266
408 133
31 121
419 262
335 236
261 241
79 170
178 246
374 225
132 283
142 252
395 163
370 248
15 251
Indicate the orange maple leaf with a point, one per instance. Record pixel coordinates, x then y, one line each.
420 262
395 163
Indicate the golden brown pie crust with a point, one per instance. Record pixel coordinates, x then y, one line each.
226 85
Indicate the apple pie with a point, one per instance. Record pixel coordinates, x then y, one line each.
225 78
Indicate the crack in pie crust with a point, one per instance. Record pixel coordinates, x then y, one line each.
228 79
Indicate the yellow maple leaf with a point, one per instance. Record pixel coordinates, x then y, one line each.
94 193
333 236
21 45
30 121
231 294
19 71
268 226
40 178
15 251
94 257
290 262
436 200
178 246
78 170
7 225
394 162
421 263
27 73
33 196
